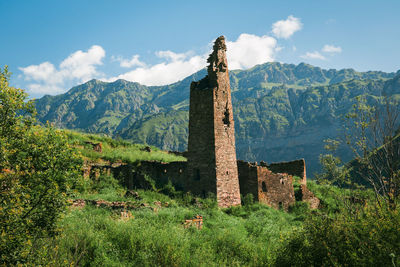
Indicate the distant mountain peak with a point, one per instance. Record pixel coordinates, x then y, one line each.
120 81
94 81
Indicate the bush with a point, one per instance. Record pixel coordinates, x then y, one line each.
37 167
361 237
301 209
247 200
106 182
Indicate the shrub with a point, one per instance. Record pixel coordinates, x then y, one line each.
361 237
106 182
36 169
248 200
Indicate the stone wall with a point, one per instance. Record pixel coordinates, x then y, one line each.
93 170
135 176
273 189
201 152
309 197
248 179
295 168
162 173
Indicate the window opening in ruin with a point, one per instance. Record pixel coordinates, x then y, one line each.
280 205
197 174
226 117
264 187
227 172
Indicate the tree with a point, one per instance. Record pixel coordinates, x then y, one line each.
36 168
360 233
372 134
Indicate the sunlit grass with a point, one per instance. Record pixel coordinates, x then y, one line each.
117 150
158 238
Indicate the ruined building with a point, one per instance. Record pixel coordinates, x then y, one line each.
212 165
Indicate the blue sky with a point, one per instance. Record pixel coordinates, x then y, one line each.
51 46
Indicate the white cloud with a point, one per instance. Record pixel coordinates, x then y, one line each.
313 55
286 28
40 72
178 67
45 88
78 67
245 52
169 55
331 49
81 65
249 50
128 63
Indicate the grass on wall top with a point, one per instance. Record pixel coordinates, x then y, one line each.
117 150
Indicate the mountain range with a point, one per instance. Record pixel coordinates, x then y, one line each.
282 111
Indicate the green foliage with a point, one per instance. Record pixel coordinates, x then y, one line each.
36 168
247 200
300 209
371 134
169 190
95 236
353 227
357 126
333 171
250 235
363 237
106 183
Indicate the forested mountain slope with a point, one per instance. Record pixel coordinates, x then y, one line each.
282 111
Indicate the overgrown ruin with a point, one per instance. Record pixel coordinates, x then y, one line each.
212 166
211 148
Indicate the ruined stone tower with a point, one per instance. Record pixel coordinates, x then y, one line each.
212 163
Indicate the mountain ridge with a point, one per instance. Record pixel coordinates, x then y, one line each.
282 111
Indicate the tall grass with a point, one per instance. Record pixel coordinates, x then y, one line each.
94 236
248 235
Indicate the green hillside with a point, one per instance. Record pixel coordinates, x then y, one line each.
282 111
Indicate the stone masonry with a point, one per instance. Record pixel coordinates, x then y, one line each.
268 187
273 189
212 163
295 168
